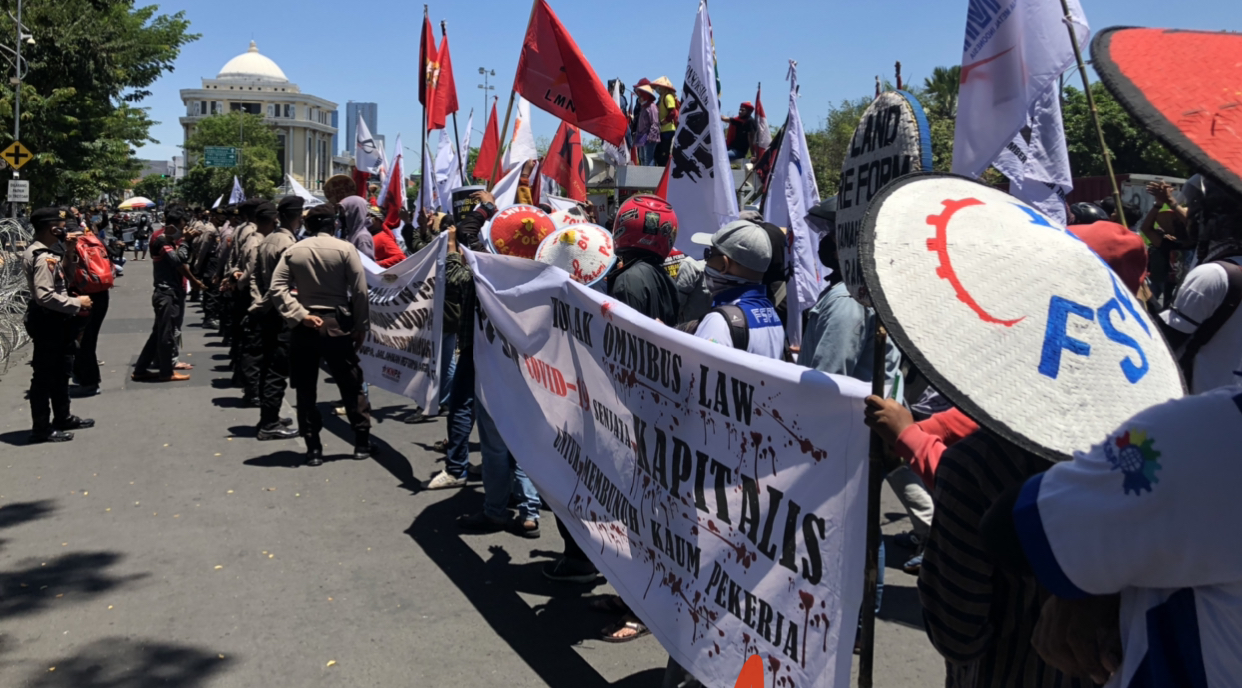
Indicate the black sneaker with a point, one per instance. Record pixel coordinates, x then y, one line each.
566 570
50 436
314 457
74 423
276 431
286 422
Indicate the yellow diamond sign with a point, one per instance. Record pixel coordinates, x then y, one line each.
16 155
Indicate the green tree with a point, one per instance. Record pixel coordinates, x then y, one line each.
829 144
152 186
1131 146
939 92
88 69
258 166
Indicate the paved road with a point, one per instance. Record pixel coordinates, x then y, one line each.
167 547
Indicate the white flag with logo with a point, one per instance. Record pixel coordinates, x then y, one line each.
522 147
792 193
237 196
700 184
1037 160
616 155
1013 53
368 156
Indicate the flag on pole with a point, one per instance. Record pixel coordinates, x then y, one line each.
700 185
565 163
554 75
427 59
1037 160
237 196
505 190
791 195
763 135
428 195
218 202
1010 60
447 172
368 159
616 155
392 193
662 187
445 101
522 144
300 191
488 150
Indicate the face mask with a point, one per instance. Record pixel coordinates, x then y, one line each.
718 281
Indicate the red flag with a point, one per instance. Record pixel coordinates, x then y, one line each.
565 164
426 63
553 75
394 197
444 102
490 148
662 187
763 135
361 177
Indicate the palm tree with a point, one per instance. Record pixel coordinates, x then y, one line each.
941 88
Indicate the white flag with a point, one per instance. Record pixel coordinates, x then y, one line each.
505 190
447 170
218 201
791 195
1012 55
396 168
616 155
428 194
700 185
522 146
238 195
368 156
1037 160
301 192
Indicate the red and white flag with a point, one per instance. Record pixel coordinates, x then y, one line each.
522 142
427 59
486 163
565 163
392 194
444 103
554 75
763 135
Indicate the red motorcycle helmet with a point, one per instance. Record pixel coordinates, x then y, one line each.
647 222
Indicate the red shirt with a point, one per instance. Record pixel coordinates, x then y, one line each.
387 252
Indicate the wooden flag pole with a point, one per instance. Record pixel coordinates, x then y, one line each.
500 146
1095 114
423 132
461 165
875 478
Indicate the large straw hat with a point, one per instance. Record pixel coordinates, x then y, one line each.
664 85
1018 322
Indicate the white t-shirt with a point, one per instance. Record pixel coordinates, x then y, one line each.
1151 513
1219 362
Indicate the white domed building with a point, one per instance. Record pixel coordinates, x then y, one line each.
254 83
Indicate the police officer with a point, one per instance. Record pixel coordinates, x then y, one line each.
272 333
245 360
168 300
330 318
49 321
205 267
224 290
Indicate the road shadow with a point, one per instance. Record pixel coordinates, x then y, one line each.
544 636
284 458
75 576
229 402
901 605
385 454
16 438
130 663
23 512
244 432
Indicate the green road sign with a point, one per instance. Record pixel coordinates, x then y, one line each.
219 156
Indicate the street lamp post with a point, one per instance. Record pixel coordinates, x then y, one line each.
486 86
14 57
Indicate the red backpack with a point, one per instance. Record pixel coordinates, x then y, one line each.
93 272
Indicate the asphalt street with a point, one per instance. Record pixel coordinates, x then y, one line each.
168 547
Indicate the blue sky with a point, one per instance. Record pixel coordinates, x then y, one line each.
840 47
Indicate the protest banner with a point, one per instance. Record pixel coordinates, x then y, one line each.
401 353
721 493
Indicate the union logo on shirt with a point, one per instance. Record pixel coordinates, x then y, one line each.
1134 454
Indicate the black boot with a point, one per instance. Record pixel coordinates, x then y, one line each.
276 431
314 451
362 445
49 435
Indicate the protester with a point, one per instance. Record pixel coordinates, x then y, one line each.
667 112
141 233
273 336
355 226
1204 325
386 251
740 136
86 361
167 300
50 316
742 315
648 126
330 316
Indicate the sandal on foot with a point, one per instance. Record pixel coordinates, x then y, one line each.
610 604
629 622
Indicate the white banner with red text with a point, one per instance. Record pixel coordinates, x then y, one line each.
401 353
721 493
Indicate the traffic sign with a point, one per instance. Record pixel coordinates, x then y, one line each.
219 156
16 155
19 190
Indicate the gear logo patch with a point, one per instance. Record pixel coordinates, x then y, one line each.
1134 454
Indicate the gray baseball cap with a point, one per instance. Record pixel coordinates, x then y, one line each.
741 241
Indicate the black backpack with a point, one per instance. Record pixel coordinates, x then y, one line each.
1209 328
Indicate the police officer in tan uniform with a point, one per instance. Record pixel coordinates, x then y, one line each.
272 334
330 317
50 317
245 372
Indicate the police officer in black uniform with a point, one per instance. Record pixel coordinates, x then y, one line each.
50 316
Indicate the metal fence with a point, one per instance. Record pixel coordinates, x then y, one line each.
14 238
